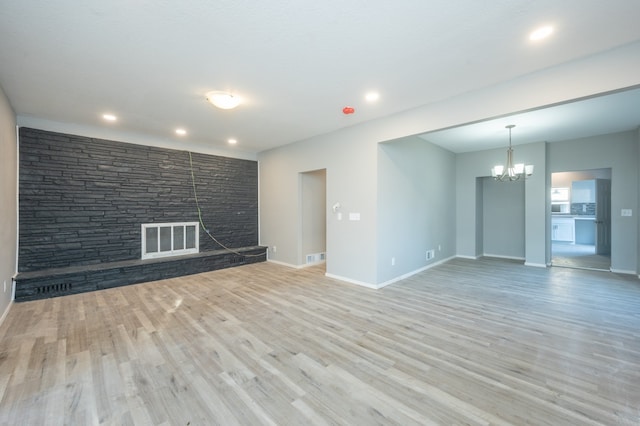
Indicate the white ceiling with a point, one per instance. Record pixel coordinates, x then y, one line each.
609 113
296 63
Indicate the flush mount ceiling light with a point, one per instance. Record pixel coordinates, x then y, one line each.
232 141
181 132
540 33
223 100
511 172
372 96
109 117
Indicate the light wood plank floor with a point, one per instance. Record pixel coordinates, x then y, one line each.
467 342
578 256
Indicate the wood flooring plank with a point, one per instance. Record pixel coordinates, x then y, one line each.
485 342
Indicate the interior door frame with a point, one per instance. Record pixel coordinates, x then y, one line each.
606 238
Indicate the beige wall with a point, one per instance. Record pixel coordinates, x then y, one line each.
8 201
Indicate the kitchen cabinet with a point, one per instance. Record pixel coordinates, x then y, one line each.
583 191
563 229
585 230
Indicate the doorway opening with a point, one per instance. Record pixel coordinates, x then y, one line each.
581 219
313 219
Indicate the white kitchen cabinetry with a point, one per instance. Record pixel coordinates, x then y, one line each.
583 191
563 229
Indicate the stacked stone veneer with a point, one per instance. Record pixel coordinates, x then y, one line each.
82 202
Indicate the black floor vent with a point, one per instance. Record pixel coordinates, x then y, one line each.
236 260
54 288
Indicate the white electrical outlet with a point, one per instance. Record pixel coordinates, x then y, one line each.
393 261
274 249
439 248
431 254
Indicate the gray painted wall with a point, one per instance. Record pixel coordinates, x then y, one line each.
350 164
469 214
8 201
618 151
350 157
637 136
416 183
503 218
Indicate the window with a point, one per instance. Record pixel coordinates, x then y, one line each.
169 239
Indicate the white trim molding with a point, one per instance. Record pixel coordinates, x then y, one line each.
536 265
6 311
391 281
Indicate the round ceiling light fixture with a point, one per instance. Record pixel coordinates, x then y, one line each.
372 96
541 33
222 100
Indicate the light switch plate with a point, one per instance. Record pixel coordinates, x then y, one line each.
625 212
354 216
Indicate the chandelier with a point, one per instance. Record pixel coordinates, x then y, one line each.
511 172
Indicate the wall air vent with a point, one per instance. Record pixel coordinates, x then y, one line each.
315 258
54 288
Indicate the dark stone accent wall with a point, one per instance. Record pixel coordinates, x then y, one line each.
82 200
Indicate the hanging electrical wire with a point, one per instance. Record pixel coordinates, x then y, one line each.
202 225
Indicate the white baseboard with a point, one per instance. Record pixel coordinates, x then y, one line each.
349 280
536 265
6 312
622 271
499 256
306 265
417 271
461 256
391 281
288 265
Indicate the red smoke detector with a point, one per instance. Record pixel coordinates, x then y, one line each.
348 110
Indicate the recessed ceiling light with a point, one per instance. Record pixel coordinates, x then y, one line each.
181 132
232 141
540 33
372 96
223 100
109 117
